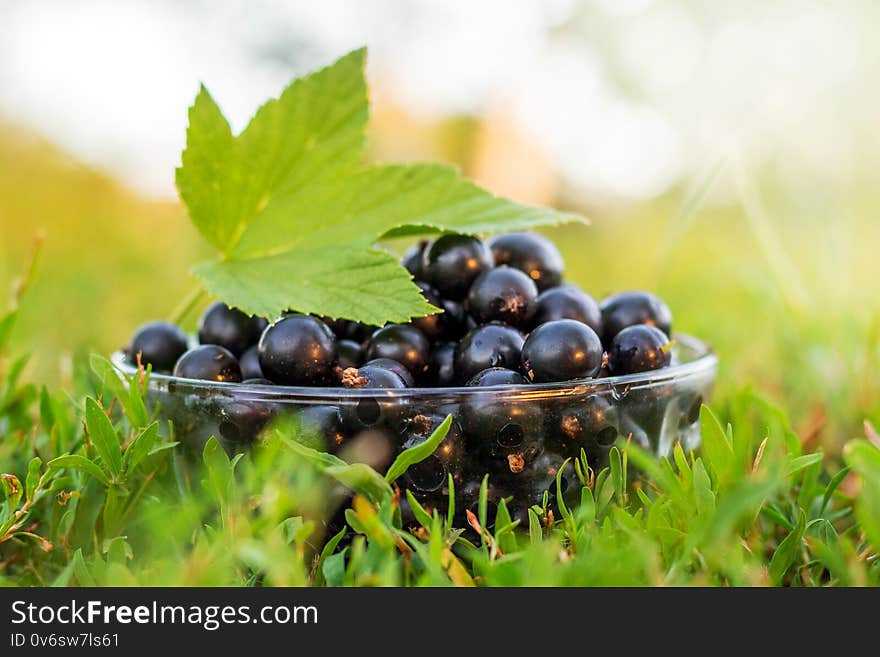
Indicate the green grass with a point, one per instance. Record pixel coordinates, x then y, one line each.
785 491
97 493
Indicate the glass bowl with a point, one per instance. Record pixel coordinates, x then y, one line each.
518 435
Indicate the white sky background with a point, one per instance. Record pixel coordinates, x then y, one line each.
625 96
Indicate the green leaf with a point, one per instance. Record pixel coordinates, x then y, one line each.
450 510
805 461
361 478
338 281
81 570
718 451
864 459
358 477
703 494
6 323
141 447
333 568
789 549
295 218
560 498
536 534
114 381
313 131
103 436
33 477
63 578
220 470
504 527
418 453
483 503
12 491
78 462
326 553
832 486
421 516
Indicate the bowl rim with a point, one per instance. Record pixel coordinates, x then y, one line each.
704 364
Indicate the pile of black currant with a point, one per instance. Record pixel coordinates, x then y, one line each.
508 320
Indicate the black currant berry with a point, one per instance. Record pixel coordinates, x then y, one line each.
441 367
369 412
503 294
398 368
208 362
503 429
230 328
452 262
531 253
241 422
159 344
298 350
562 350
639 348
630 308
250 364
413 260
591 424
568 302
497 376
448 325
492 345
401 342
320 426
372 376
349 354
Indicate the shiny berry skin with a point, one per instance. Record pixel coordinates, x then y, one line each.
372 377
568 302
630 308
250 364
504 429
298 350
639 348
413 260
531 253
242 422
497 376
208 362
349 354
441 368
452 262
320 427
371 412
503 294
445 326
492 345
591 424
398 368
230 328
562 350
159 344
401 342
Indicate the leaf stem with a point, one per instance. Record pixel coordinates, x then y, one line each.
187 304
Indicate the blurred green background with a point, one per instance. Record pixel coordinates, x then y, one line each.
763 239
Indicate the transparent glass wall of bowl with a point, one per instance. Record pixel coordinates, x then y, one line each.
518 435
